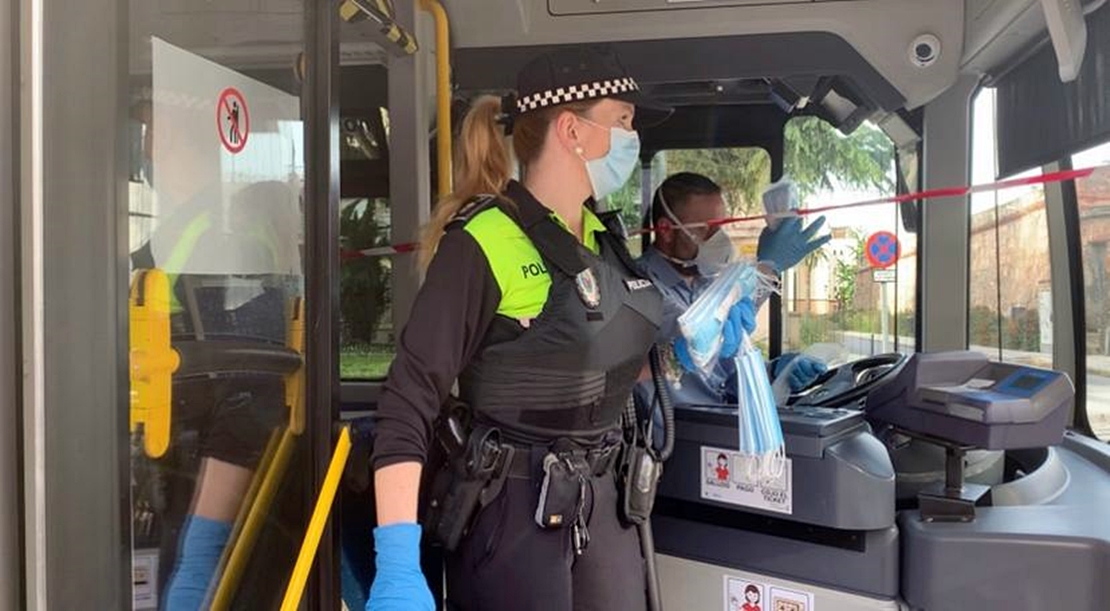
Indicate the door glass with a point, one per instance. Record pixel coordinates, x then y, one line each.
1094 227
216 233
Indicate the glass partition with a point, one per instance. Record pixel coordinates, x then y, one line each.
216 208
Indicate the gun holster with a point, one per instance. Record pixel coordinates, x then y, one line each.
465 472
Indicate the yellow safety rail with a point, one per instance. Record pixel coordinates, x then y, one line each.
153 361
295 590
252 526
294 382
267 477
443 94
230 574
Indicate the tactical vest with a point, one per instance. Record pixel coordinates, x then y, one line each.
570 372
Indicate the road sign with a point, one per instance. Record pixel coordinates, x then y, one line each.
884 275
882 249
233 120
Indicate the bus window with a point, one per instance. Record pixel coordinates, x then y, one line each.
834 298
366 333
366 336
1094 226
1009 276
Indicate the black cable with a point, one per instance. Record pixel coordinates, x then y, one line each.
651 575
663 395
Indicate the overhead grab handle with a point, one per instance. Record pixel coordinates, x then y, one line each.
380 12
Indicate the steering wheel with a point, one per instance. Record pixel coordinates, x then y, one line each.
848 385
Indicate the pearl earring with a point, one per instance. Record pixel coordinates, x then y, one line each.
578 150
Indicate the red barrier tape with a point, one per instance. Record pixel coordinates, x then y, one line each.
928 194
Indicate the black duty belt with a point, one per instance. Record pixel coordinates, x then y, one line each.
528 460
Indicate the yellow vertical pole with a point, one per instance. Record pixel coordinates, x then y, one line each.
443 94
295 590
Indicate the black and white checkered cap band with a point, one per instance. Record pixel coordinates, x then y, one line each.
575 93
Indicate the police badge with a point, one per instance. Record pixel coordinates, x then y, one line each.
588 290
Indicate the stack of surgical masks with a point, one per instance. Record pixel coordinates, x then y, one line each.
760 432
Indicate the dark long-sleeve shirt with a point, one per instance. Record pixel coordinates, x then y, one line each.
488 268
453 309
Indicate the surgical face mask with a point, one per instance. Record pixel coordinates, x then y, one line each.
609 173
714 252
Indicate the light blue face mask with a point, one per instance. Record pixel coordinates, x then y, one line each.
609 173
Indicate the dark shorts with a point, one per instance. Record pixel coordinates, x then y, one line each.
231 418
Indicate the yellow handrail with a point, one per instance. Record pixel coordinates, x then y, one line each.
225 587
299 578
153 361
256 517
443 94
268 474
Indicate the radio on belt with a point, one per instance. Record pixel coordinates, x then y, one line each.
965 398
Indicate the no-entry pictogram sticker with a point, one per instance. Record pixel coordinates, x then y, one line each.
233 120
882 249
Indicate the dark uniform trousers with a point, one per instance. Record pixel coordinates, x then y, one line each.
508 562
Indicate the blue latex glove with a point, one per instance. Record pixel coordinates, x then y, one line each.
682 354
399 583
804 370
785 246
741 316
202 542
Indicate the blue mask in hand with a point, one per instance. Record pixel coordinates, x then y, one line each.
609 173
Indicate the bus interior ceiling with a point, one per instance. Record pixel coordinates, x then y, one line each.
852 59
735 71
869 42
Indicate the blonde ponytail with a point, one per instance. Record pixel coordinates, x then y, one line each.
482 165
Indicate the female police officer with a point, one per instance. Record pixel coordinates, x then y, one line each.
540 314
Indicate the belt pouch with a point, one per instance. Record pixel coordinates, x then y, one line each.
562 492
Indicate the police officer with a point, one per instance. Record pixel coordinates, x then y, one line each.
539 312
682 261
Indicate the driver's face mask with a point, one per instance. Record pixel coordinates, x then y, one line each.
714 252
